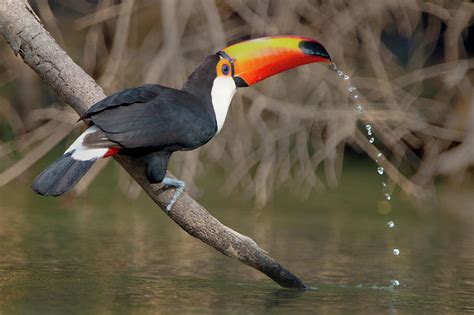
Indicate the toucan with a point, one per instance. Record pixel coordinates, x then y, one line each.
153 121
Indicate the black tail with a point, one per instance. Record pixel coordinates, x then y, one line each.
61 176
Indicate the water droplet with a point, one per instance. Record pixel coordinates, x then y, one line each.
346 77
379 154
369 130
356 96
352 89
394 283
391 224
359 108
384 184
333 66
388 197
371 140
380 170
340 73
396 251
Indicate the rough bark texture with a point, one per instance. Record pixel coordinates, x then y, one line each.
25 34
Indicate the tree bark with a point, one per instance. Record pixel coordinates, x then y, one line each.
26 36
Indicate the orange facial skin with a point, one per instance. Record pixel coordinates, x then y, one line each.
257 59
219 68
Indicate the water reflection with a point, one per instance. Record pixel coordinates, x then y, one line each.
99 253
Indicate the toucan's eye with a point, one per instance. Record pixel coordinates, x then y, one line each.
225 69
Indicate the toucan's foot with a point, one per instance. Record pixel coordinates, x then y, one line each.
179 185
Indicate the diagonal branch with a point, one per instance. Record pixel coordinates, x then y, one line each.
23 31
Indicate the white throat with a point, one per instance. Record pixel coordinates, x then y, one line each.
223 89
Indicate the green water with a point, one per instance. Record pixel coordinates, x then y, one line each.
101 253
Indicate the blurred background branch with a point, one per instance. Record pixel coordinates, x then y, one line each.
411 60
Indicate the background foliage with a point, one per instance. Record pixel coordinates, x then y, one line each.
411 61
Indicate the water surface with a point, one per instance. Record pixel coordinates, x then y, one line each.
102 253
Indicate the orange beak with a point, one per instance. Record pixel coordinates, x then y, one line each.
254 60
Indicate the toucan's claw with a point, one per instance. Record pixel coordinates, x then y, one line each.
179 185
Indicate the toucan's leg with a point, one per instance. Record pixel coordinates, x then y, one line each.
179 185
156 170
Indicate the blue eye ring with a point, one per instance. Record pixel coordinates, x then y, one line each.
225 69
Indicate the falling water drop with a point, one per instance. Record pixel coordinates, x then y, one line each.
354 95
369 129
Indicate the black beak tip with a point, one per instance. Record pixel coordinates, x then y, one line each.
313 49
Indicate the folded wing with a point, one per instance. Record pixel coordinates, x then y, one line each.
151 117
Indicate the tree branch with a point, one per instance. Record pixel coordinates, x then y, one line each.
23 31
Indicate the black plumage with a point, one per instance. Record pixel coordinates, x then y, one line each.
61 176
173 120
156 165
140 94
157 118
153 121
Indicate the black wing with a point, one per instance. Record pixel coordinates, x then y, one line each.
140 94
173 119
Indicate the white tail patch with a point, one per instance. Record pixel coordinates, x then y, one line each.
84 153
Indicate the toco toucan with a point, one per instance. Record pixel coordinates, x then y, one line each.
153 121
